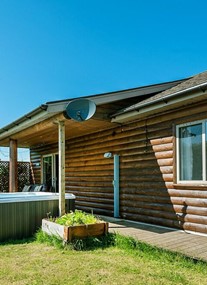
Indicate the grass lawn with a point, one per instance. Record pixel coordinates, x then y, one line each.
125 262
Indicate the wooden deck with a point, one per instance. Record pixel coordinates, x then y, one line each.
192 245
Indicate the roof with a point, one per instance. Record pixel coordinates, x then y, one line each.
115 96
52 108
198 81
39 127
26 117
194 81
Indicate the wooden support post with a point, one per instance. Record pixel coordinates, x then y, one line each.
13 185
61 132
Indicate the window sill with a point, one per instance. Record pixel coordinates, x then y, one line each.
190 186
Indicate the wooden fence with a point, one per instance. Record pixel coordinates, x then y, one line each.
24 175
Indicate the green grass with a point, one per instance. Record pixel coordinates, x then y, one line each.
112 259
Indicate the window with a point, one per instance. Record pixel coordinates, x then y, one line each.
191 152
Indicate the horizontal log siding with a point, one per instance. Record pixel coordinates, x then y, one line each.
147 190
89 176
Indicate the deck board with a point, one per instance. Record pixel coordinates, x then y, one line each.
189 244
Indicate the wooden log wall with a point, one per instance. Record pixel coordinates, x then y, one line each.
148 189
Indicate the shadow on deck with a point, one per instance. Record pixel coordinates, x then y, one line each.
189 244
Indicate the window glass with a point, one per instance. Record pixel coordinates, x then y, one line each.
47 171
190 145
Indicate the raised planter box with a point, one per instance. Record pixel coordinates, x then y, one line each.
74 232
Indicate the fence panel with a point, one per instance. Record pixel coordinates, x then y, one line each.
4 176
24 175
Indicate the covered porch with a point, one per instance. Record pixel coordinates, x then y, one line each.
79 152
47 128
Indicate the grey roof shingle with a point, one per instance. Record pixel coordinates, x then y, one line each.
188 83
193 81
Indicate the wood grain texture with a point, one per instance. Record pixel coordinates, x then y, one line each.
148 190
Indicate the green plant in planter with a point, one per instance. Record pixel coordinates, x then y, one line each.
76 218
75 225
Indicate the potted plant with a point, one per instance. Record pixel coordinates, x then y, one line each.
75 225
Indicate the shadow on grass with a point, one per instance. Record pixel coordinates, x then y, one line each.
128 244
93 243
17 241
89 243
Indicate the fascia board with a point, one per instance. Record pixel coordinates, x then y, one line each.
26 124
161 99
157 107
113 96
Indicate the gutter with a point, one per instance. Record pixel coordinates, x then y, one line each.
147 106
24 122
50 108
114 96
24 118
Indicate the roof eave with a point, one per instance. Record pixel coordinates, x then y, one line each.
52 108
139 110
111 97
37 115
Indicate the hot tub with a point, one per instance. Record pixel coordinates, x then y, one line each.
21 213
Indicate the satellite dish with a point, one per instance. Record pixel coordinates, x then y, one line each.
80 110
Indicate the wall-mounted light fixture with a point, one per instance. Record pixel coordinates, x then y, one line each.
115 181
108 155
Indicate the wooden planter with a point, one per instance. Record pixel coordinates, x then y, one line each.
74 232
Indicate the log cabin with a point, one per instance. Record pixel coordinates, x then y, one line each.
142 156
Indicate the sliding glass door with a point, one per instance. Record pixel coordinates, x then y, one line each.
50 172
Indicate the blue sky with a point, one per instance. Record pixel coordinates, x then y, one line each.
59 49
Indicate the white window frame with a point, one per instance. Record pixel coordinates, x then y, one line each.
204 159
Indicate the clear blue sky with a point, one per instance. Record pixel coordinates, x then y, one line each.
58 49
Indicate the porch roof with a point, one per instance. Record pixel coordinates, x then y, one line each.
38 127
